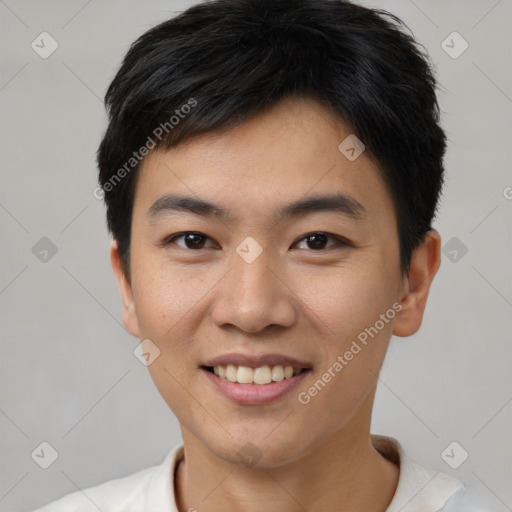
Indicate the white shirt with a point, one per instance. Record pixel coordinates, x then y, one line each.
419 489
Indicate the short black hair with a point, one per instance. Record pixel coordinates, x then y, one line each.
220 62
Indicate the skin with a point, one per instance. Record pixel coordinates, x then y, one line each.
308 303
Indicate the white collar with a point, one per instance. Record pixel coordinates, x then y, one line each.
419 488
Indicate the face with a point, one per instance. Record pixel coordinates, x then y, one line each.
302 285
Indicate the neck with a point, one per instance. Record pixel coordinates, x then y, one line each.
344 472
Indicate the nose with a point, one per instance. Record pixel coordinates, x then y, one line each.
253 296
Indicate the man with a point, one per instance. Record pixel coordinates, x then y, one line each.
271 171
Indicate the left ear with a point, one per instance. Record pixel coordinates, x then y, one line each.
425 262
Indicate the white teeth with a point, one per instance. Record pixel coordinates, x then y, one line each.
277 373
231 373
244 375
262 375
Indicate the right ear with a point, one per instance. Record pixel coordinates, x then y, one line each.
130 319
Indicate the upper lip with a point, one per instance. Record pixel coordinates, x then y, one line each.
255 361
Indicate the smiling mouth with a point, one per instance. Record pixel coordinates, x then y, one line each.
261 376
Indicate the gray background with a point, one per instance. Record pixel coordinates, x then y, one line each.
68 373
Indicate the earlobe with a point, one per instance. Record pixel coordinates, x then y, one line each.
130 320
425 263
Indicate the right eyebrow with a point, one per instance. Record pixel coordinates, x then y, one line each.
171 202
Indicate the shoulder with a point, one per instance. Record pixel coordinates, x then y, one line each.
468 499
134 492
113 495
424 489
419 487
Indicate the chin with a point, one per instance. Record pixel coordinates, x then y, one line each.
259 449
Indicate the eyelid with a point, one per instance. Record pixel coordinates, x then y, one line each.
169 240
339 239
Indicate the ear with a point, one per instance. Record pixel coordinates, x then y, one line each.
130 320
425 262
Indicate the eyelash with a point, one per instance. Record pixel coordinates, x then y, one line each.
340 241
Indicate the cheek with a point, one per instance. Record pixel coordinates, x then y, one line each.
342 301
346 308
166 295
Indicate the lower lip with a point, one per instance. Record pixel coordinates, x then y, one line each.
255 394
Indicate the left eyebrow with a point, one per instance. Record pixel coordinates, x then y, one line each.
333 203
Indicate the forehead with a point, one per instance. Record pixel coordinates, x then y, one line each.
289 152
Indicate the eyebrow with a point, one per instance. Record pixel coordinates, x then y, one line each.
333 203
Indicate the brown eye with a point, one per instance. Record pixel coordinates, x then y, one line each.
191 239
318 241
